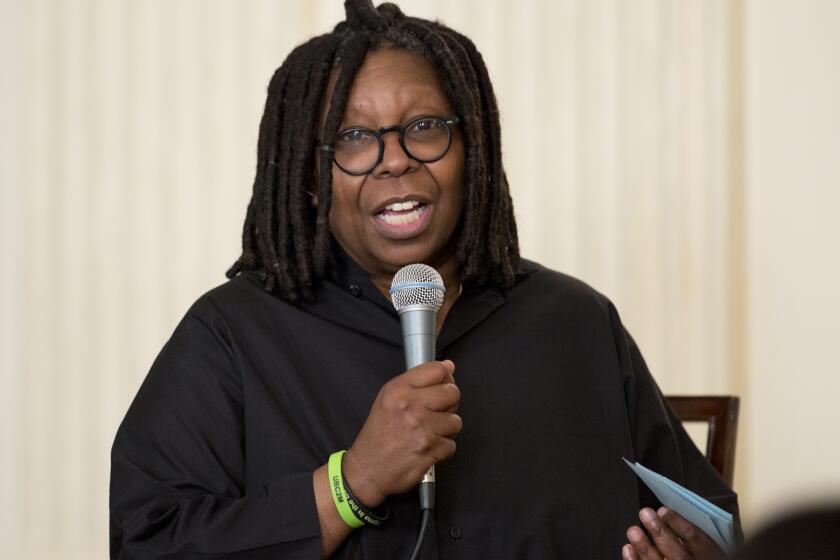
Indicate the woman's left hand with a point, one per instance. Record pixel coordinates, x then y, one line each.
671 536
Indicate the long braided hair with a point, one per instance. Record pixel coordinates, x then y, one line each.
287 241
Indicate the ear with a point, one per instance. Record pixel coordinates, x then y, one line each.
313 199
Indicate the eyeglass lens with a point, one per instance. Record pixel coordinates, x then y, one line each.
425 139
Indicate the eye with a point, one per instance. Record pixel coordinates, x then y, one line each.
426 125
353 136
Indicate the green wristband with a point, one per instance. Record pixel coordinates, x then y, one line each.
338 493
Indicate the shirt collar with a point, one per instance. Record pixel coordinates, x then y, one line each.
348 296
352 278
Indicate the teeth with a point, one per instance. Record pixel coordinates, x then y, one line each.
400 219
402 206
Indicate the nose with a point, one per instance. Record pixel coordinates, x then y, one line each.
395 162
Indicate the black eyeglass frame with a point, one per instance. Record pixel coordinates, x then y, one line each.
401 128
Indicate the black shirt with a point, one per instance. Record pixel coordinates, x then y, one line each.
251 394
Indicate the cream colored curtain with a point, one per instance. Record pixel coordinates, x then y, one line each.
128 152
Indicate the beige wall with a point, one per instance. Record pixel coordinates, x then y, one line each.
680 156
791 436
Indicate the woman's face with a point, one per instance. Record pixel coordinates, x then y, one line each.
403 211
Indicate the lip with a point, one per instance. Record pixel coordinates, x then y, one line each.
404 231
394 199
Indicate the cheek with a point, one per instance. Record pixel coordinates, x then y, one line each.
452 176
344 201
456 163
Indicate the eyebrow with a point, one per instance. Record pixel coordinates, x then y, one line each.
406 120
423 107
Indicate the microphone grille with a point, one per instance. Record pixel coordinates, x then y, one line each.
417 285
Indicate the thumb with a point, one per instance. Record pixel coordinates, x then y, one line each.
450 369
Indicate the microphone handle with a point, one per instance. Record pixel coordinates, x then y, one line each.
418 328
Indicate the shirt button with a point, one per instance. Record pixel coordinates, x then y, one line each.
455 533
355 290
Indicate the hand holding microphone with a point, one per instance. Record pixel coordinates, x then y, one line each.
412 421
410 428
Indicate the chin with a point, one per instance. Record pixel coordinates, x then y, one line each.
401 256
432 256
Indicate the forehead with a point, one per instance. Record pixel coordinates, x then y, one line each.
393 84
397 65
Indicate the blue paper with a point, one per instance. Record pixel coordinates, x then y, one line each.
708 517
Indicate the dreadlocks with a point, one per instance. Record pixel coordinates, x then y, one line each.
285 239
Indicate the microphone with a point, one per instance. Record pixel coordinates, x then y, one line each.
417 294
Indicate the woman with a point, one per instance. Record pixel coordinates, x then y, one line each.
380 147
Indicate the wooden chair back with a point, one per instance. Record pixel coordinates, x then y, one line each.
721 415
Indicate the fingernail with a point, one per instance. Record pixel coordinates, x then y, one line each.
662 511
634 533
626 552
647 515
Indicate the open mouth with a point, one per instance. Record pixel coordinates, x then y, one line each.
402 213
403 219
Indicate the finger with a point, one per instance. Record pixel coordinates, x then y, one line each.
430 373
443 449
663 537
439 397
446 425
644 549
697 542
628 552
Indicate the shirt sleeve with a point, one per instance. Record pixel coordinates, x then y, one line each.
659 439
178 463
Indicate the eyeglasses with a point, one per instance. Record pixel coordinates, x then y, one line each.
358 150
